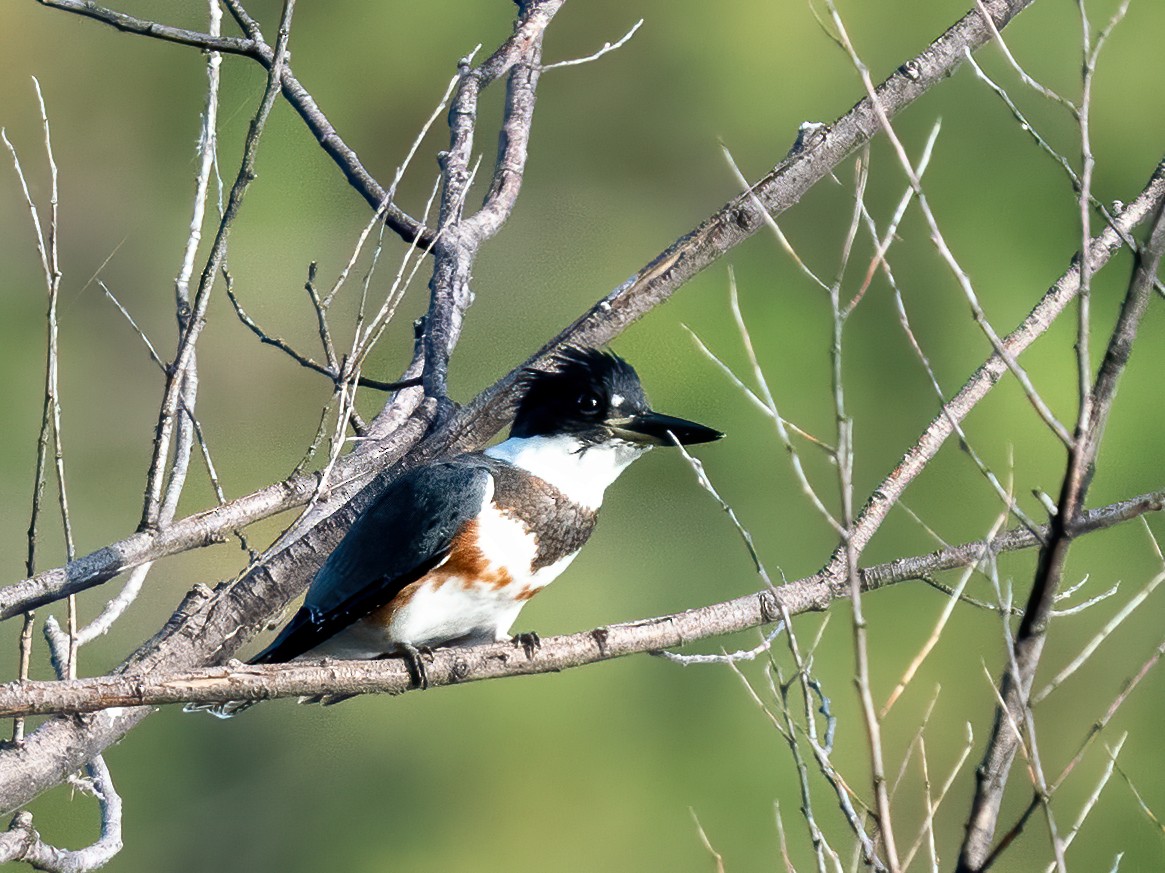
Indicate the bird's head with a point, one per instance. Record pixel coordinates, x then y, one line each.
596 398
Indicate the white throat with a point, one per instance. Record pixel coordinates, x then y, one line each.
579 471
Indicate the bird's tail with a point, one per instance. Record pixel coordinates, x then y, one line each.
296 639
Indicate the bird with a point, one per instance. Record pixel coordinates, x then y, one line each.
450 552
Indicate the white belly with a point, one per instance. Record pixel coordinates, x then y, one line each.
450 605
464 611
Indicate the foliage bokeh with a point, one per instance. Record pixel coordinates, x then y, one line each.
604 766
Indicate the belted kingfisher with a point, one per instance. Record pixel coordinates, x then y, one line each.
451 551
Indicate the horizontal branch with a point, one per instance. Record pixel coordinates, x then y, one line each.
453 666
195 531
1012 540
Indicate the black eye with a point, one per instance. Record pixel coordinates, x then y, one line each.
589 404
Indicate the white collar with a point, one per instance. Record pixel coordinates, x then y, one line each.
582 472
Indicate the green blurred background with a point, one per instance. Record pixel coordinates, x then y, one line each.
604 767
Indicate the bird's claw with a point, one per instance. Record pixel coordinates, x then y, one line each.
530 643
418 672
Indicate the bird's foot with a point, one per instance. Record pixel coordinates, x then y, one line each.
530 643
414 660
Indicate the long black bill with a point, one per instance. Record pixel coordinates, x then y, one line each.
654 428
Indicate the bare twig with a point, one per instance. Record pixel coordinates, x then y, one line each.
1097 727
47 244
1101 635
256 48
755 652
196 318
788 729
21 842
774 414
704 841
751 396
154 356
1139 798
882 245
845 468
335 376
1020 71
783 841
936 633
925 830
811 693
607 48
771 223
52 399
1090 803
1015 685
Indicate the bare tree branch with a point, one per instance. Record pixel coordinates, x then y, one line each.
1015 686
193 321
21 842
460 238
454 666
256 48
1057 298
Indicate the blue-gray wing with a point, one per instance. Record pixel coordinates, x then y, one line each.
400 537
